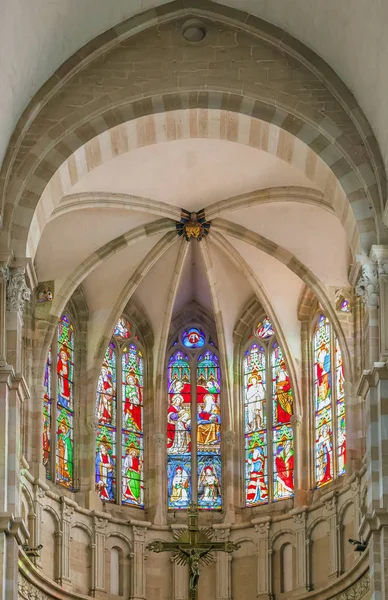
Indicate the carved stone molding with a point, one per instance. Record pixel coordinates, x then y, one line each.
18 292
27 591
356 591
139 534
368 285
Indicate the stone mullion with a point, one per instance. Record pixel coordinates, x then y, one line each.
119 429
64 538
12 535
303 432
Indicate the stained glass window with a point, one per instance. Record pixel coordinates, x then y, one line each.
194 446
208 431
122 329
65 403
119 411
330 429
345 306
46 441
193 338
132 371
268 410
264 329
106 427
179 432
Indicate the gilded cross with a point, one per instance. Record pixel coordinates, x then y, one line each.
193 546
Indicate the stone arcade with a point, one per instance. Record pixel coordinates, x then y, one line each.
193 299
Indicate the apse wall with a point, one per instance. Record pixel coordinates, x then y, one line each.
301 553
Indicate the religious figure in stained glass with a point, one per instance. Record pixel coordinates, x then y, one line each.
179 487
340 398
264 329
64 450
105 465
209 487
132 468
284 463
209 419
283 399
63 372
193 338
255 398
133 402
324 451
256 470
122 329
106 389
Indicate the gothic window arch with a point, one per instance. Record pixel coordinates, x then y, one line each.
119 474
194 422
329 403
58 405
268 408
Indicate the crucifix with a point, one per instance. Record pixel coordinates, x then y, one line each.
193 546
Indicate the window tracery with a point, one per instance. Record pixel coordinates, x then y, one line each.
329 404
194 445
119 411
268 407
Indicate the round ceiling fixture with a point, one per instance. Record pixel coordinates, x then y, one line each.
193 31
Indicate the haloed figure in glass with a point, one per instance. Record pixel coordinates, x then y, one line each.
132 469
105 472
64 452
257 486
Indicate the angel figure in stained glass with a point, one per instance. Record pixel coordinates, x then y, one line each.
209 419
104 473
63 371
283 394
106 395
324 462
180 487
255 398
132 467
257 488
133 401
208 485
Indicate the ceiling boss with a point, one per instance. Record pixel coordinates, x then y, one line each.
193 225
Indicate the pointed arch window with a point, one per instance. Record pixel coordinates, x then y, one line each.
59 413
268 408
194 423
119 411
329 404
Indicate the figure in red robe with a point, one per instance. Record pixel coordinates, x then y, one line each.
283 395
285 469
133 403
63 372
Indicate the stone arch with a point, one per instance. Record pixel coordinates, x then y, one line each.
60 118
80 557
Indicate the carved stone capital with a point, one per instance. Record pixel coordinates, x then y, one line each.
300 518
139 534
229 437
367 286
18 292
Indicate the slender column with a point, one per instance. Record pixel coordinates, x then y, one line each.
300 520
13 534
299 475
332 517
229 475
36 426
138 562
262 529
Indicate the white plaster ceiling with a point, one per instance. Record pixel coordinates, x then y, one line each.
191 173
36 37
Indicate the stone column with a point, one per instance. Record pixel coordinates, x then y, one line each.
229 462
138 578
300 520
98 555
263 582
299 475
13 534
368 288
374 526
332 518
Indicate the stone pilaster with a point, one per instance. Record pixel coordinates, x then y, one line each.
138 578
64 575
13 534
331 513
299 475
18 293
98 556
180 575
300 521
223 566
263 581
158 491
229 463
374 526
368 288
